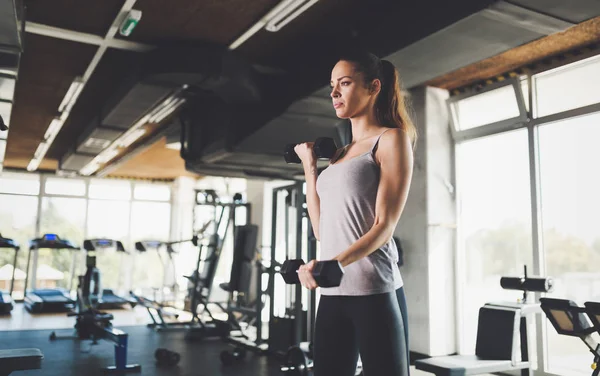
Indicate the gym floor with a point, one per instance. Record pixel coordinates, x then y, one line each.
76 358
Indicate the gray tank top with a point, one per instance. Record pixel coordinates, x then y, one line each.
347 192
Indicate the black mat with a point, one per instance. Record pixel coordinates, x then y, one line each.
80 358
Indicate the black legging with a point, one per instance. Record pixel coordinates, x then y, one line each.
371 325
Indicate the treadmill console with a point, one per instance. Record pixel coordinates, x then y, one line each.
51 241
8 243
144 245
96 244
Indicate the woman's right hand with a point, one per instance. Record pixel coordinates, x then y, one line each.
305 153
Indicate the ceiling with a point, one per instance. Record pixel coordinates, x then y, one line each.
272 82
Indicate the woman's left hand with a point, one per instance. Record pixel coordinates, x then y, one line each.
305 275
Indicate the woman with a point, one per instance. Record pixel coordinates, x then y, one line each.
354 206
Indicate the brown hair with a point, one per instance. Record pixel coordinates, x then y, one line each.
391 107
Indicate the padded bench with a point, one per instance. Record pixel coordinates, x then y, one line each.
461 365
19 360
501 344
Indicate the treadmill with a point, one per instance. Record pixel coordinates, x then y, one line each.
108 299
6 302
48 300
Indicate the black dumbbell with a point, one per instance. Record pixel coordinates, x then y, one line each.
166 357
324 148
297 362
228 357
326 273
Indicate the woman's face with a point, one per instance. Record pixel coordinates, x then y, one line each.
351 96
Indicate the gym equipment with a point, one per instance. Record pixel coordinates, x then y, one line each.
199 293
324 148
298 361
236 355
6 302
91 324
326 273
166 358
49 300
527 284
291 314
106 298
502 337
19 360
569 319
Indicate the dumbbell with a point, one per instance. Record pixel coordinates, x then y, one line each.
326 273
166 357
228 357
324 148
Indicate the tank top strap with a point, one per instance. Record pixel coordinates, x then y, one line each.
377 141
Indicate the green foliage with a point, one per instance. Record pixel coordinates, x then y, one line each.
504 251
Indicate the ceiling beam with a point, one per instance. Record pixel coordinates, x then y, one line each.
76 36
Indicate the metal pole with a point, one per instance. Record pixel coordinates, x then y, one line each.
299 318
271 288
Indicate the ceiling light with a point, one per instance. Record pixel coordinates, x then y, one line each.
286 17
106 155
129 138
53 129
281 12
71 97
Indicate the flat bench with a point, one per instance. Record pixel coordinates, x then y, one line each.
19 360
463 365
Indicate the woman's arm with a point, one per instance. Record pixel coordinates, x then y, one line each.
313 203
395 158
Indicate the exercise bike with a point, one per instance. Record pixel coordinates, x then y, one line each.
91 324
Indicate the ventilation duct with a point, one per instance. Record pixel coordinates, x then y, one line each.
489 32
159 86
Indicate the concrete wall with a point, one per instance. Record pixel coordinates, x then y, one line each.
427 230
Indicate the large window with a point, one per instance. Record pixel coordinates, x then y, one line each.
498 158
495 221
578 83
17 221
64 217
110 219
151 270
569 157
76 209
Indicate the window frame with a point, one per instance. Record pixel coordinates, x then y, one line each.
526 119
490 128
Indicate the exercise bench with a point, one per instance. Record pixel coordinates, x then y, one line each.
19 360
501 344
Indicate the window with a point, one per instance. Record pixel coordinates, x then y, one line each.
154 192
19 183
150 221
110 189
485 108
578 83
569 156
110 219
17 221
67 187
494 221
66 218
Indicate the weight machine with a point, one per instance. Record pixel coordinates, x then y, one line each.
91 324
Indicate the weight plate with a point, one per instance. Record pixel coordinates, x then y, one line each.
296 359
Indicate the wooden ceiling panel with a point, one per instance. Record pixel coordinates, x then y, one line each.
114 67
157 162
47 68
578 36
217 21
94 17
